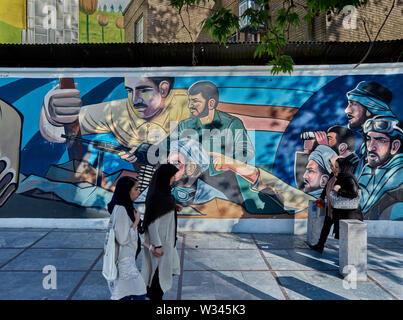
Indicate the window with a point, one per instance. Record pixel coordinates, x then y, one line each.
139 30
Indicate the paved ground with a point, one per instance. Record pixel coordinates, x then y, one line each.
214 266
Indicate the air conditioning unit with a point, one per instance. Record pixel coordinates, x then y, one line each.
244 23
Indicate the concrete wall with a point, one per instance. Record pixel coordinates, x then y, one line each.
43 176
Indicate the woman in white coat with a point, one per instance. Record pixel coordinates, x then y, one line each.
129 284
160 226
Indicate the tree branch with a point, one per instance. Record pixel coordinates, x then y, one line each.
376 37
194 60
366 30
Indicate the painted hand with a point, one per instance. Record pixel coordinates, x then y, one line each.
6 188
321 137
128 156
63 106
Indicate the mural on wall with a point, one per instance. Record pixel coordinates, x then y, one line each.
10 143
102 20
255 146
12 20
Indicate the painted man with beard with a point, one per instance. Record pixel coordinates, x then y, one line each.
191 160
189 190
317 171
341 139
218 132
381 180
367 100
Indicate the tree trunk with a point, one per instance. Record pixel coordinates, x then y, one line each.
88 35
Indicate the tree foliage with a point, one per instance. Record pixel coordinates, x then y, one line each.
273 25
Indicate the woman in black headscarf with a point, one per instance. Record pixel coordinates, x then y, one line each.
160 226
129 284
343 200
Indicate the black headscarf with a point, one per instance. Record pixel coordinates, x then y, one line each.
346 170
159 199
121 197
345 166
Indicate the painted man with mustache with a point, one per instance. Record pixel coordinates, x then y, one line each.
317 171
218 132
367 100
143 117
381 180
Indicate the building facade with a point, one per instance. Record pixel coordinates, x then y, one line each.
157 21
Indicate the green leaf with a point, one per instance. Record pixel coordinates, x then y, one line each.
221 25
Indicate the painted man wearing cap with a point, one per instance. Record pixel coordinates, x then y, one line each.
188 189
317 171
367 100
381 180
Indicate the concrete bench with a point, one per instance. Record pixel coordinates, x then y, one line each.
316 217
353 249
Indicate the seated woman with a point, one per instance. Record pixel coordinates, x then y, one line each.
343 199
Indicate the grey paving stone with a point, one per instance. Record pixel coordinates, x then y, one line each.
392 281
399 242
81 230
384 243
21 239
300 260
172 294
313 285
237 260
280 241
62 259
98 266
284 252
385 258
25 229
213 285
7 254
29 285
219 240
64 239
94 287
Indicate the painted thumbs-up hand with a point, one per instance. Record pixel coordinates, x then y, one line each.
7 186
11 121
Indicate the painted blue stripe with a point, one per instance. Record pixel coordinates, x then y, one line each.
100 92
6 81
85 85
30 106
118 93
278 97
15 90
306 83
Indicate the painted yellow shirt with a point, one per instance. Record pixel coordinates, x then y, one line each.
119 118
